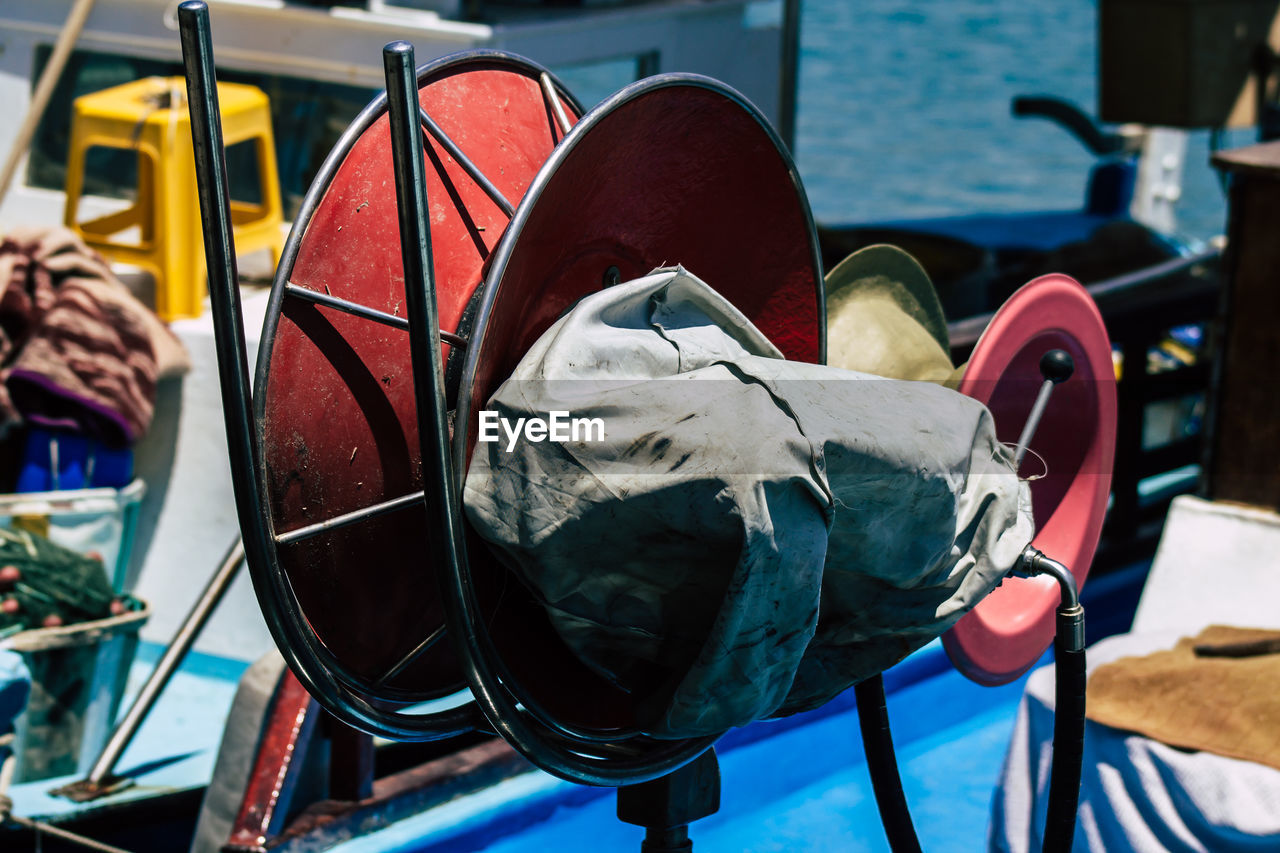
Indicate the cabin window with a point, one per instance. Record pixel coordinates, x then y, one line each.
308 116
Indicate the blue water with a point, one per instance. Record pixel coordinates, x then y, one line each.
904 111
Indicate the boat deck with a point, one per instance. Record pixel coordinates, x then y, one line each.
794 784
805 788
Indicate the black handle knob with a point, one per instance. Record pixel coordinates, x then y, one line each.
1057 366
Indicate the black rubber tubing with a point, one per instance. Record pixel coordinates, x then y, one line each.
882 763
1068 731
1068 746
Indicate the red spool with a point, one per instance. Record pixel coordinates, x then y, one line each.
339 425
675 169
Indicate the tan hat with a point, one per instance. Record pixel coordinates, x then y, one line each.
884 318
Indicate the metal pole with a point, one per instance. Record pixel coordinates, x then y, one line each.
1056 366
553 101
44 89
167 665
1033 421
317 671
789 74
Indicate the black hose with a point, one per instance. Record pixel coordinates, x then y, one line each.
882 763
1068 730
1068 746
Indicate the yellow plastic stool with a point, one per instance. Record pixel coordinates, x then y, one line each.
164 237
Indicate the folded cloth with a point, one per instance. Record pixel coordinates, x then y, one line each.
79 350
1137 795
745 536
1218 692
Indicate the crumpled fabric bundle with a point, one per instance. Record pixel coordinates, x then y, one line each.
764 533
78 350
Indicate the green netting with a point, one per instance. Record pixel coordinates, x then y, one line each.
50 581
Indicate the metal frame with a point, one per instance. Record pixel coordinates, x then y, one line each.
318 671
586 760
283 288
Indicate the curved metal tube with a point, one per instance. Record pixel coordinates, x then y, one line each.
281 289
1035 562
287 625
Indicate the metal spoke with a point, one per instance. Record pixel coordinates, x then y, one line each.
465 162
358 310
349 518
553 100
430 641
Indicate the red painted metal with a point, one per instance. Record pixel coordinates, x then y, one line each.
326 823
682 173
340 429
1008 631
277 766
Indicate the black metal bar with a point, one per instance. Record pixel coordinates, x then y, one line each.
464 161
966 332
349 518
224 290
284 619
789 73
357 310
553 101
882 765
443 502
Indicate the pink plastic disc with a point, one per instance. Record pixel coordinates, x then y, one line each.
1074 447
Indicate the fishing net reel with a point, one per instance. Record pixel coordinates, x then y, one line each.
456 220
479 184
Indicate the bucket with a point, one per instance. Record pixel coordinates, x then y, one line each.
78 671
78 675
101 520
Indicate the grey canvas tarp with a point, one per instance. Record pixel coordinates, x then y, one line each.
758 532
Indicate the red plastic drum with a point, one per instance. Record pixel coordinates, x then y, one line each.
675 169
338 420
1008 631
